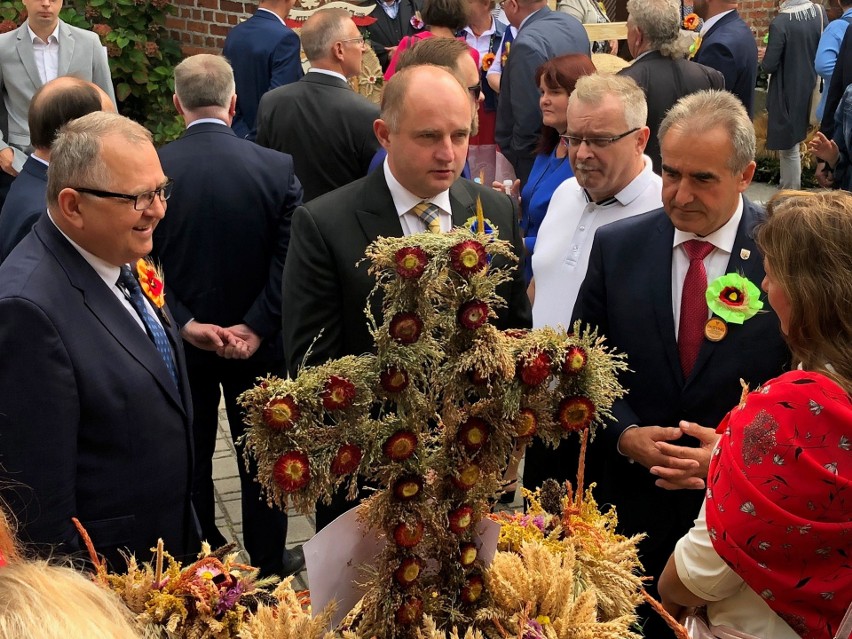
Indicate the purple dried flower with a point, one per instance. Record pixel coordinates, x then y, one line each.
229 598
538 522
533 630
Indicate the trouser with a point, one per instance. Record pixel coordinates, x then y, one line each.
791 168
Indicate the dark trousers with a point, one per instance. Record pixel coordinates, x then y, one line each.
264 528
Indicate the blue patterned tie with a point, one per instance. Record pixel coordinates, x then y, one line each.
155 331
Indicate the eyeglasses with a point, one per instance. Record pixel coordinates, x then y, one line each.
359 40
475 91
141 202
600 143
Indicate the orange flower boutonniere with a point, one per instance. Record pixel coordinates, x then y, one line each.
151 281
487 61
505 57
691 22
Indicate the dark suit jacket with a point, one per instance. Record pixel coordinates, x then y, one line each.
545 35
325 126
385 32
323 288
729 48
627 295
665 81
264 54
24 204
224 239
91 424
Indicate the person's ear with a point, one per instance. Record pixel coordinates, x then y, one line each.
69 209
382 131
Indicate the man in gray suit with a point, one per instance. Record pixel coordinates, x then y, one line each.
542 34
40 50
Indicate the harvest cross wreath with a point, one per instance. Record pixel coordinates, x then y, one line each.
432 418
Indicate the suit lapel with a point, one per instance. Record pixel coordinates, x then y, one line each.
724 19
66 48
462 203
745 260
660 270
27 56
377 212
109 311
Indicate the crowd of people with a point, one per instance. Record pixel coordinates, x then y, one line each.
141 286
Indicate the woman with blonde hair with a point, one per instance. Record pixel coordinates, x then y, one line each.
769 552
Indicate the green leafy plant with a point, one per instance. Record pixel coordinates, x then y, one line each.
141 54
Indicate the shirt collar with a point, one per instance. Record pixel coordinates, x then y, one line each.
277 17
107 272
53 37
333 74
38 159
637 185
206 121
722 238
487 32
404 199
711 21
524 21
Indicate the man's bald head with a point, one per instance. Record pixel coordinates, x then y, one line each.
60 101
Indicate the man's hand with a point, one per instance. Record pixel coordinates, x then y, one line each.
207 337
824 149
639 444
243 342
686 467
7 156
391 51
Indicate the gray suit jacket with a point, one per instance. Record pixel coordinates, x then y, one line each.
80 54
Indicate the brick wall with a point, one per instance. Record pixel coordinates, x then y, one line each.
201 25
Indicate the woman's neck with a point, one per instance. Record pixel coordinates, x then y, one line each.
442 32
481 25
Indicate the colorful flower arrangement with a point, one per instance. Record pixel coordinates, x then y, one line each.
487 61
734 298
151 281
691 22
432 417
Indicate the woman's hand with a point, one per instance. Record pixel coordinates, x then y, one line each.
824 149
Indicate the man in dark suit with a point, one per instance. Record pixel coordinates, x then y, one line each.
95 414
542 34
644 290
425 125
54 104
264 53
395 19
320 120
223 246
727 45
653 29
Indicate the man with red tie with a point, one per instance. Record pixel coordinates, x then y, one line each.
645 291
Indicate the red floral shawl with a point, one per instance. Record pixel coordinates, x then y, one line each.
779 499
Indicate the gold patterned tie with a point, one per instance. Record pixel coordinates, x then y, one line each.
429 213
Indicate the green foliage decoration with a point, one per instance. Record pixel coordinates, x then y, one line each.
142 55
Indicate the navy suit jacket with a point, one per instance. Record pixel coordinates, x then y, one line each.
729 47
627 294
264 54
91 424
545 35
224 239
24 204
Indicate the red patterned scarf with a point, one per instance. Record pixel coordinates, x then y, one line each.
779 499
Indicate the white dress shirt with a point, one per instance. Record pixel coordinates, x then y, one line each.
715 263
46 54
564 240
404 200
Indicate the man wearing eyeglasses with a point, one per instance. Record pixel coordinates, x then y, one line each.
320 120
613 180
95 413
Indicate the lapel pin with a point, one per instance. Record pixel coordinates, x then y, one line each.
745 254
715 329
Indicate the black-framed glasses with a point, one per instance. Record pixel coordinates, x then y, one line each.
141 202
475 91
600 143
359 40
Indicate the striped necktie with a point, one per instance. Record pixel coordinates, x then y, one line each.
133 292
429 213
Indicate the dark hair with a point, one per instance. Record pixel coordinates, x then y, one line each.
451 14
443 52
561 72
53 106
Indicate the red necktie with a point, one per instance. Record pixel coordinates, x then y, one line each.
693 304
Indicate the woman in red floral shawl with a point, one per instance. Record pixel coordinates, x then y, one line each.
771 552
